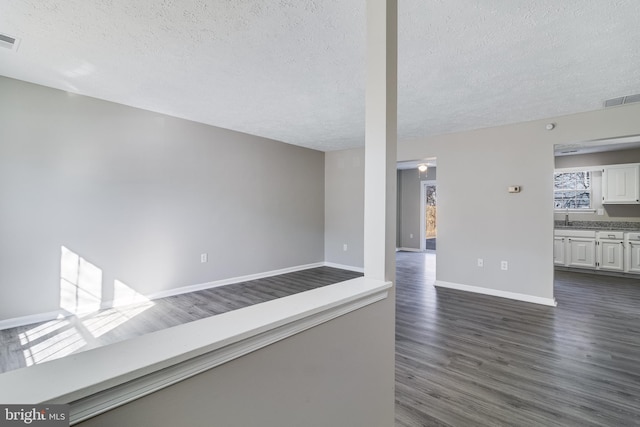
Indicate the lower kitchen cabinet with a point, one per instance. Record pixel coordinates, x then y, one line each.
558 251
614 251
632 250
581 252
610 255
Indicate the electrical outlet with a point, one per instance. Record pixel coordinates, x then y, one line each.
480 262
204 257
344 247
504 265
411 236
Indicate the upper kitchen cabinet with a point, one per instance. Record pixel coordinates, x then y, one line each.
621 184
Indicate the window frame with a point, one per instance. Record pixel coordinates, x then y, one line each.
591 170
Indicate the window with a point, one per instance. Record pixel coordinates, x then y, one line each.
572 190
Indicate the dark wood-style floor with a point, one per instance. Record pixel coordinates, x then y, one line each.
37 343
465 359
462 359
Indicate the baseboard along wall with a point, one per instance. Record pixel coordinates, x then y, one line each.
497 293
344 267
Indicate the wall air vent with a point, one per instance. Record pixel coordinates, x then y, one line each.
9 42
622 100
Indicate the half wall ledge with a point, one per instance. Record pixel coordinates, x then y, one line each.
98 380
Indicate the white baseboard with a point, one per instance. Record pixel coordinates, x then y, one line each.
14 322
497 293
43 317
230 281
409 250
344 267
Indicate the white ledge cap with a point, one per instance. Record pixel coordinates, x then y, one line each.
84 374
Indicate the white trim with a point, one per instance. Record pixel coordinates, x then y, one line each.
423 214
579 169
92 383
577 211
58 314
411 249
32 318
230 281
344 267
497 293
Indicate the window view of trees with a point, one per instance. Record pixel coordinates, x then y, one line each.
431 212
572 190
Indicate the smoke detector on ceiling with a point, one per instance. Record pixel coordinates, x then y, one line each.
9 42
622 100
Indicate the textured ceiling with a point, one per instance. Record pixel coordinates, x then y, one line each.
293 70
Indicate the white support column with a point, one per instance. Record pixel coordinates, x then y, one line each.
381 140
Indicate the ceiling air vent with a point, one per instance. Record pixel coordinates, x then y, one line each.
622 100
8 42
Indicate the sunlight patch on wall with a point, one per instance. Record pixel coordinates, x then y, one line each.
125 295
80 283
81 291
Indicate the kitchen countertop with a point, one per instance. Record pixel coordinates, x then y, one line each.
598 225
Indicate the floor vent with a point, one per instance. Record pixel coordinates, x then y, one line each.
8 42
629 99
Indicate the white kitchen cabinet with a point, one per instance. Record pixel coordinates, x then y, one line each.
575 248
610 250
558 251
615 251
621 184
632 241
581 252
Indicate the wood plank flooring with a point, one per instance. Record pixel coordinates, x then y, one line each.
37 343
465 359
462 359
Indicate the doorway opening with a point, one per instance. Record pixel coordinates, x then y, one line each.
596 206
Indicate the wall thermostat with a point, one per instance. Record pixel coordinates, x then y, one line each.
514 188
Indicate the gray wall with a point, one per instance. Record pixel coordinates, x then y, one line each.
409 206
478 218
344 207
626 213
140 196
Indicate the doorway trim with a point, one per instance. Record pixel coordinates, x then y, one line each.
423 212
